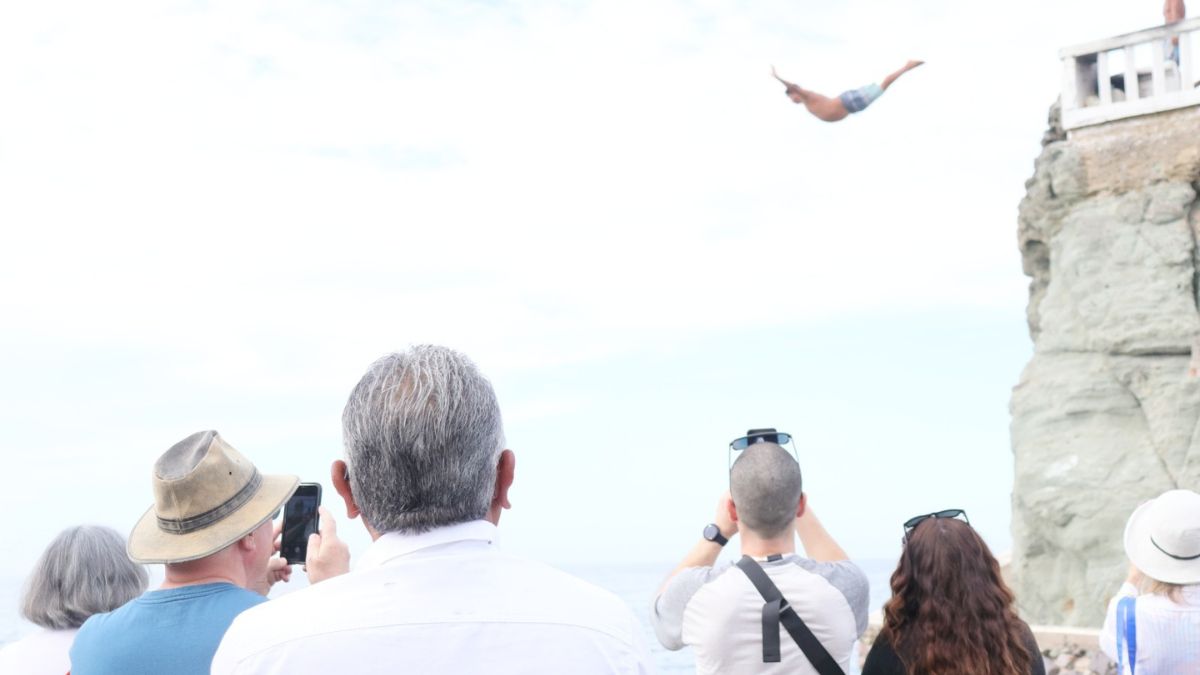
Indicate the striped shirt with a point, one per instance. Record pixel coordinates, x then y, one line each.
1168 632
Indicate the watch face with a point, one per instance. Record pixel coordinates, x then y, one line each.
711 532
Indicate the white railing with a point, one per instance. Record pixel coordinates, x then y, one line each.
1128 75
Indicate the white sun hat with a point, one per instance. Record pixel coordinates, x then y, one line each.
1162 537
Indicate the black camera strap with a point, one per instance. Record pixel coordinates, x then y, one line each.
776 611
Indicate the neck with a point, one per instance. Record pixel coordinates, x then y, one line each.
760 547
372 532
211 570
493 515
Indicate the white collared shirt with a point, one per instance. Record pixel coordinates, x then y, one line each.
445 601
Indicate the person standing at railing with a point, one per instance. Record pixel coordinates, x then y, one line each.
1174 11
849 102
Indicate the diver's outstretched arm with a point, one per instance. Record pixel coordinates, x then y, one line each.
822 107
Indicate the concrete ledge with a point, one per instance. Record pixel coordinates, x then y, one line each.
1050 637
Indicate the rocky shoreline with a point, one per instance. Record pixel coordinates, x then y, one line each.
1072 651
1072 660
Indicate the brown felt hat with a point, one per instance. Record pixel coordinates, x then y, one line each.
206 497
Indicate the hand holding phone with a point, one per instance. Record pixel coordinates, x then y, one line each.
328 556
300 519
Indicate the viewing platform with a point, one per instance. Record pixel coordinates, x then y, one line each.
1140 73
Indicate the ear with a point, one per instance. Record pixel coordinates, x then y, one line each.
339 475
732 510
802 505
247 544
506 468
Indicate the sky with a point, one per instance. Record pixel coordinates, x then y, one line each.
218 214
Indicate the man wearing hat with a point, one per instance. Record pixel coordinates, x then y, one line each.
211 525
1153 624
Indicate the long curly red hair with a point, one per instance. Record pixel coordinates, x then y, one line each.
950 611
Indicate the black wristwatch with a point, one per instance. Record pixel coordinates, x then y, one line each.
713 534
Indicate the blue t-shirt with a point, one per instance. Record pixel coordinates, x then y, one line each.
172 631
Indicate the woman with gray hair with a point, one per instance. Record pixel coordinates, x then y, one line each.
84 571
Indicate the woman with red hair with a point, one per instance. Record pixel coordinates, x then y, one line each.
950 612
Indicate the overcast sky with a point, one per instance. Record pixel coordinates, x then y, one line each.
217 214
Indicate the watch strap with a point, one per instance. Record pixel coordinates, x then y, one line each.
713 534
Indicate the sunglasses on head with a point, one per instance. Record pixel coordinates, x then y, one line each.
760 436
912 523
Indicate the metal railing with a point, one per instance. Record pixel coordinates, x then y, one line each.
1140 73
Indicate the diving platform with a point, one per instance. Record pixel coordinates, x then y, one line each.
1141 73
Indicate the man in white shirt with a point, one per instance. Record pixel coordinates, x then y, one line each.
426 467
718 609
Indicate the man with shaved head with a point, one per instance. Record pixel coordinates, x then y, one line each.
751 617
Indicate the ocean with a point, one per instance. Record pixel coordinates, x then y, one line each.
633 583
12 626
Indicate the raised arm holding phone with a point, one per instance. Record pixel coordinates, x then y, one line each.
733 626
212 526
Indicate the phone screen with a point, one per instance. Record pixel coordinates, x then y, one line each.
299 521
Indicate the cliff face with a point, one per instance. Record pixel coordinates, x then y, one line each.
1105 414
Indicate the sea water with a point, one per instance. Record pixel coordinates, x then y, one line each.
12 627
635 583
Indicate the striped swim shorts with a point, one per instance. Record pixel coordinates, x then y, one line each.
857 100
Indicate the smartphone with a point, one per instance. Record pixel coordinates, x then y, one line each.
299 521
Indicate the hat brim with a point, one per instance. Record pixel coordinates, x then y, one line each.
149 544
1148 559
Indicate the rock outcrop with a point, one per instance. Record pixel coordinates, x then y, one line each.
1105 414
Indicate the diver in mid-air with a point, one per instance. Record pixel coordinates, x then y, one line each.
837 109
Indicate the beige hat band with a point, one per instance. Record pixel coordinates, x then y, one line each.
202 520
1172 555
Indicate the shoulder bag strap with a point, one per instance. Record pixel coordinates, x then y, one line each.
776 611
1127 633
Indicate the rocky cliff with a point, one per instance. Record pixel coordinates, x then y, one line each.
1105 414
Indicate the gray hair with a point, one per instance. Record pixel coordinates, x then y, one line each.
84 571
765 486
423 432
